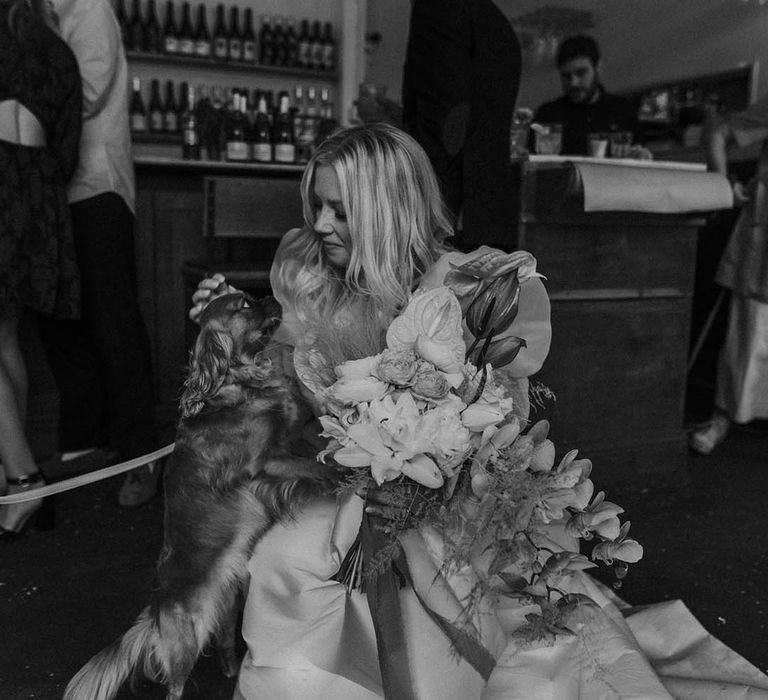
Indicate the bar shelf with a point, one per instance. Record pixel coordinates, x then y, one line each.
218 65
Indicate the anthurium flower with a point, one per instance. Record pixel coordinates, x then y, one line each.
621 549
431 325
466 279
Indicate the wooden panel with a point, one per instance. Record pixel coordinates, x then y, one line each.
246 207
178 219
617 369
598 260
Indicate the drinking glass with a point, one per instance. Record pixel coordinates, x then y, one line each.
549 139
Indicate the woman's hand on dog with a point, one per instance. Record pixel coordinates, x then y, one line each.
208 289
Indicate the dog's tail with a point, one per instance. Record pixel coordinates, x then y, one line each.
102 676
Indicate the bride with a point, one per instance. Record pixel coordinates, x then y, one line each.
375 231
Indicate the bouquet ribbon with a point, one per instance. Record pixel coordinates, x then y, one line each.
383 593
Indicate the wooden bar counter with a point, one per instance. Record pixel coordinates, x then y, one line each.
621 284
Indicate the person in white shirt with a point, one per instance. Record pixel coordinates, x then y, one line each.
101 197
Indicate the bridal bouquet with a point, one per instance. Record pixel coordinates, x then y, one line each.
435 423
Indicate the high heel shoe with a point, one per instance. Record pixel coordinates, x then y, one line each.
15 516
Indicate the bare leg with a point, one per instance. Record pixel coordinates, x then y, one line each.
15 452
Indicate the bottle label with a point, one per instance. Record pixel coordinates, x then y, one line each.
156 121
171 44
305 54
317 56
203 48
220 47
262 152
187 47
285 153
237 150
328 57
235 49
249 51
190 137
138 122
171 122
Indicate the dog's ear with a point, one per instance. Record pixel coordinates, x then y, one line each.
209 362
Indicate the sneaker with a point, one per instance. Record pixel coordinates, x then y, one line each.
140 486
704 440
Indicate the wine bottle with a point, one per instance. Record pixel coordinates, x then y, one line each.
155 108
237 143
151 30
317 46
278 42
186 37
122 21
266 42
249 38
309 134
203 111
220 44
291 43
190 149
305 46
216 133
261 141
135 29
285 148
234 39
171 113
329 48
303 146
137 112
202 35
327 124
170 34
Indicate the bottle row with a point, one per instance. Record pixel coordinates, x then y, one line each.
240 128
279 43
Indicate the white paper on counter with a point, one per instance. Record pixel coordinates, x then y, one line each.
653 190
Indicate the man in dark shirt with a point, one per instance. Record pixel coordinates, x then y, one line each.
585 106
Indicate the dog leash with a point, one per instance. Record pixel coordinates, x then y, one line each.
85 479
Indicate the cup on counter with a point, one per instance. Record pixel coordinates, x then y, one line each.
518 134
621 144
598 145
548 139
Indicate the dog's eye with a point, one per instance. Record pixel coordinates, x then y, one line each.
246 305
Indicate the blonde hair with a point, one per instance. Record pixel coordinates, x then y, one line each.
397 223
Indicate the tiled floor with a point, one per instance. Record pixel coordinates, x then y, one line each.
66 593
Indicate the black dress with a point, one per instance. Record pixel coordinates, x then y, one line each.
37 253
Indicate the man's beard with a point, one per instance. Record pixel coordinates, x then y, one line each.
583 97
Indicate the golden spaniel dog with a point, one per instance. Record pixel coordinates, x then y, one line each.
235 471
